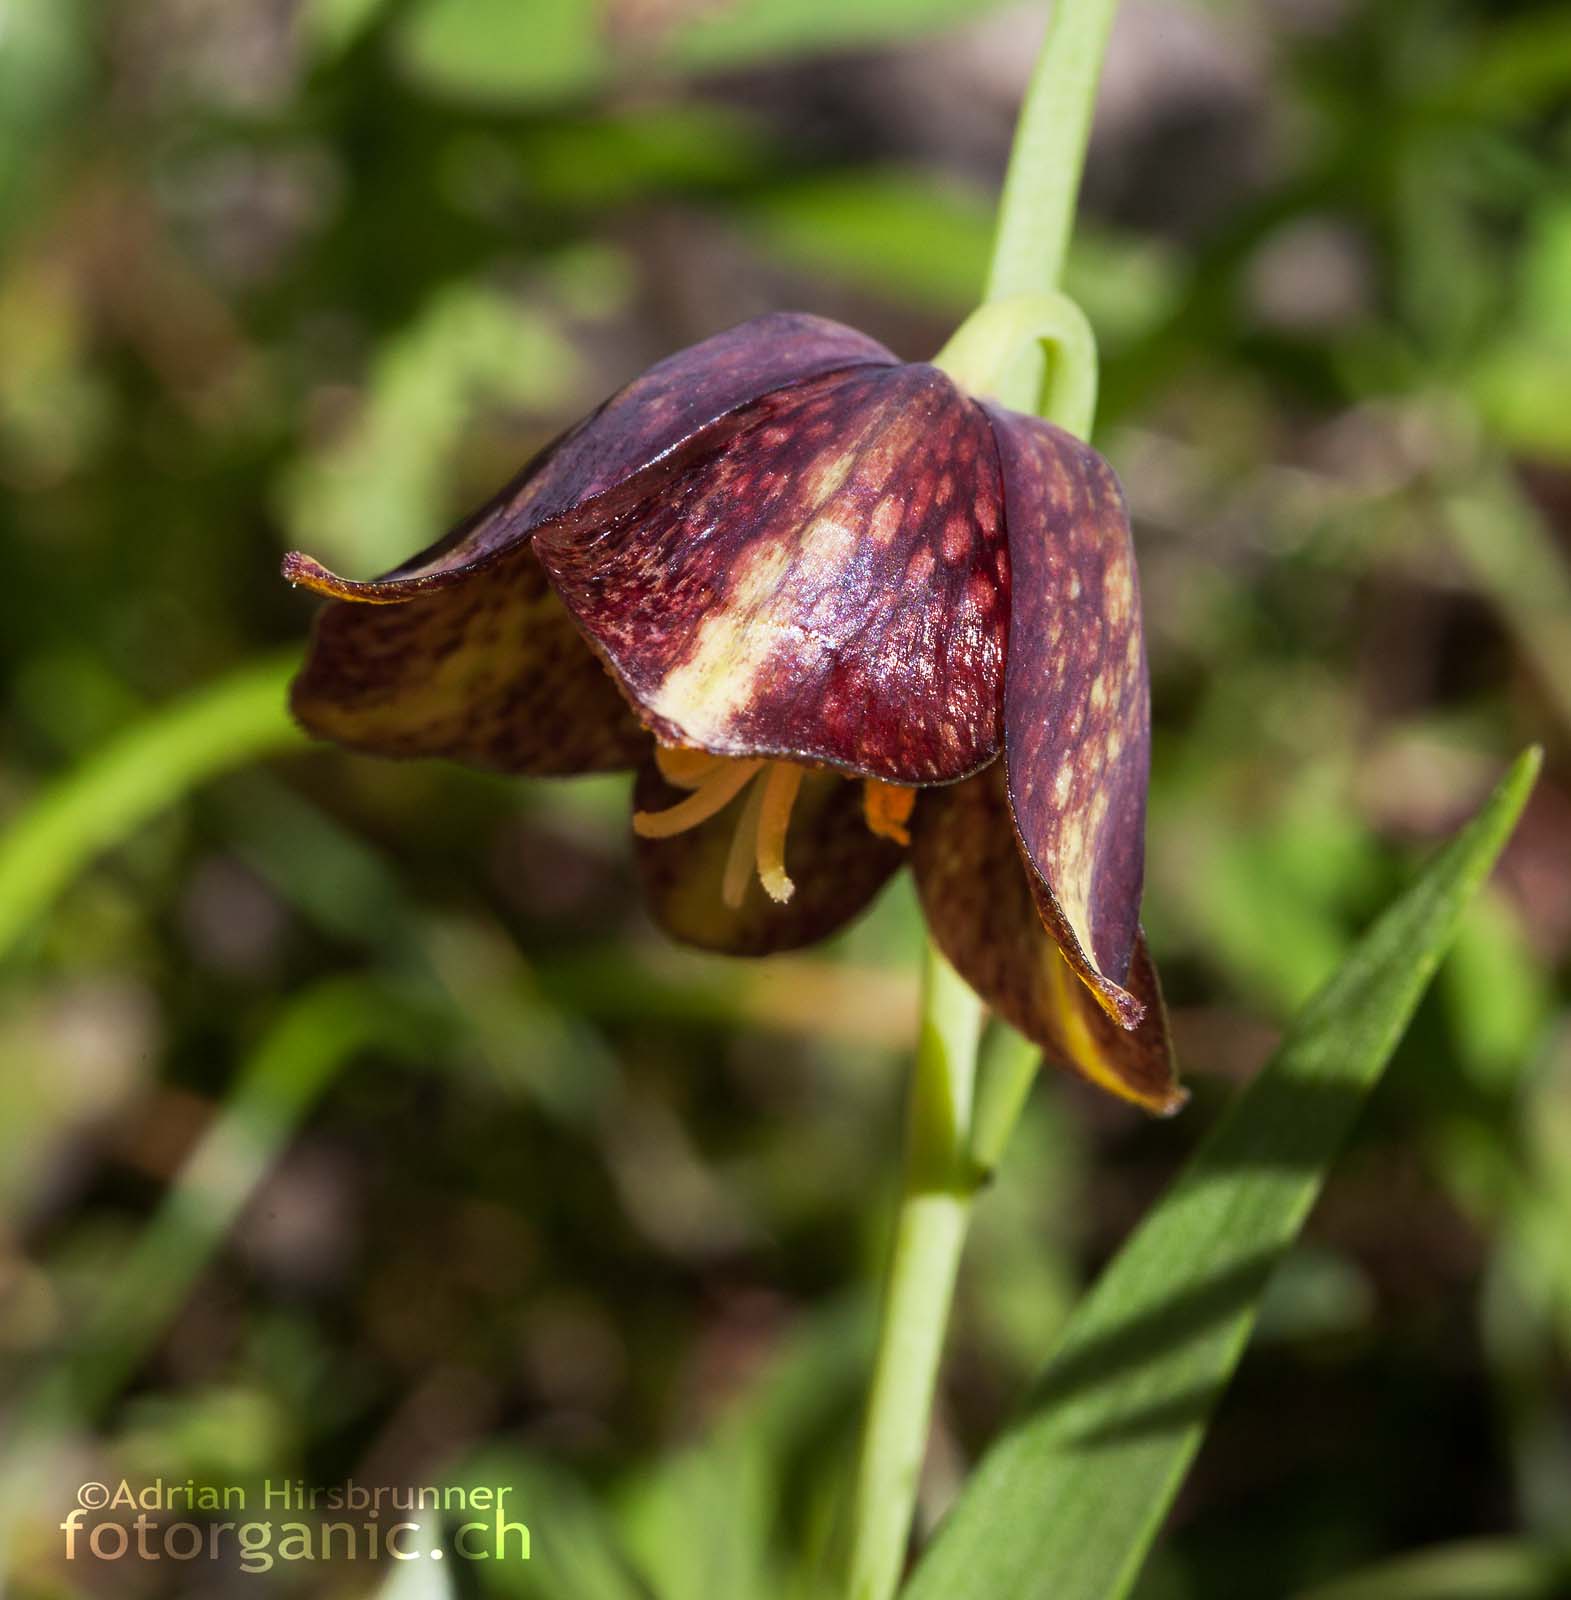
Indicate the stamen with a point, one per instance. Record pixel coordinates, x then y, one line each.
713 794
887 809
758 844
743 854
685 768
779 789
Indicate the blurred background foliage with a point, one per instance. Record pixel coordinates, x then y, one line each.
353 1122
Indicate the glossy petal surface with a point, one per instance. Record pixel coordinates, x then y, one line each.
491 671
479 661
1076 702
667 411
836 865
975 890
829 587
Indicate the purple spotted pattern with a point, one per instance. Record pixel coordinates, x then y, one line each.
493 673
979 906
1076 702
783 543
679 406
832 588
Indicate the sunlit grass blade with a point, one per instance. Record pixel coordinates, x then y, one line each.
1069 1500
296 1060
147 768
313 1038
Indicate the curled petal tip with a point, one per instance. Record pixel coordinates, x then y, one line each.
987 916
1122 1006
1163 1101
306 572
299 568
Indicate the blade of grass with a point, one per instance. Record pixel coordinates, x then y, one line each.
1069 1500
312 1040
293 1065
232 721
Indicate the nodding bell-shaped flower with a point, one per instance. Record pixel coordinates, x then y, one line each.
835 611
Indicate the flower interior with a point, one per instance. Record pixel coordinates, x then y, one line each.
758 844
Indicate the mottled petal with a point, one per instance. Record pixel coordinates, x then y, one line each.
1077 717
835 864
975 890
491 671
667 412
463 651
829 588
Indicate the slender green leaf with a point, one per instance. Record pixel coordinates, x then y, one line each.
45 53
313 1038
232 721
296 1060
1068 1501
310 1042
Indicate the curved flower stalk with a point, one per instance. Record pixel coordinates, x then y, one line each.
836 611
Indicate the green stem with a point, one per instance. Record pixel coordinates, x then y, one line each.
1036 215
999 350
929 1232
1009 1068
1050 367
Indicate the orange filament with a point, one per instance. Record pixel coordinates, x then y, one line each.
685 768
887 809
758 844
713 793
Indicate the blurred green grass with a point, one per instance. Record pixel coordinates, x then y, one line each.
324 277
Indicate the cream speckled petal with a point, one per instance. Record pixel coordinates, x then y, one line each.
830 587
975 889
1077 718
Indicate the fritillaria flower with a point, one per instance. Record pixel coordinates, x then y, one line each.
836 612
